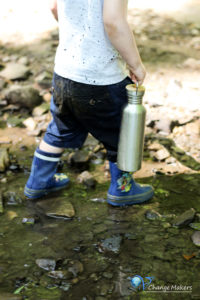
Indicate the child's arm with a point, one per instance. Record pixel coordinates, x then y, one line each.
122 38
53 8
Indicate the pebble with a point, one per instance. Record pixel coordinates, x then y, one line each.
46 264
196 238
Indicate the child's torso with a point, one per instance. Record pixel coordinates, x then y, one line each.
85 53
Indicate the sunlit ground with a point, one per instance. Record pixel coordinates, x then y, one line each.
24 20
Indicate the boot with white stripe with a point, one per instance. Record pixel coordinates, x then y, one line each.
43 178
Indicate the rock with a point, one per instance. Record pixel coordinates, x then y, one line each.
40 110
44 79
12 215
30 124
46 264
23 60
14 71
152 215
100 200
164 125
108 275
59 274
195 226
5 140
76 267
196 238
4 159
15 121
11 198
87 179
79 159
59 208
25 96
185 218
47 97
192 63
28 221
8 296
11 108
35 132
2 84
111 244
195 43
161 154
1 204
155 146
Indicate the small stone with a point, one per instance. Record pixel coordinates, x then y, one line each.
44 79
30 124
87 179
152 215
47 97
58 274
46 264
28 221
14 71
161 154
12 215
75 268
1 204
192 63
14 121
185 218
79 159
11 198
195 226
155 146
4 159
107 275
111 244
23 60
196 238
40 110
100 200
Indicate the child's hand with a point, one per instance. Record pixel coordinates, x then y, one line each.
138 75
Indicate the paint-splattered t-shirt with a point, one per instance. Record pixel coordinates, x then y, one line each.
85 54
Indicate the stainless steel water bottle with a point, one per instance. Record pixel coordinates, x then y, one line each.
131 139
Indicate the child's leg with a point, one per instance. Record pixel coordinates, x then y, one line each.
63 132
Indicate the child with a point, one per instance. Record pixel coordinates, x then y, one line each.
90 76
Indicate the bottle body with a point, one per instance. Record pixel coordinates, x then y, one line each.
131 139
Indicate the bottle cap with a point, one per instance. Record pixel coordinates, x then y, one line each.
135 93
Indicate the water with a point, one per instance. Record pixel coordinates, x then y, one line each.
108 245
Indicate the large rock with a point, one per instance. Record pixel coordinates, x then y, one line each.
4 159
57 208
14 71
25 96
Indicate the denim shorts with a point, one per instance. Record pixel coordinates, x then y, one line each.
78 109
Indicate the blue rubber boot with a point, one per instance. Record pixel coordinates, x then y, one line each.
124 190
43 178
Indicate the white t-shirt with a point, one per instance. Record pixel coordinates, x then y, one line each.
85 54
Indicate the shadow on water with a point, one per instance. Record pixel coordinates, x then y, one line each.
94 254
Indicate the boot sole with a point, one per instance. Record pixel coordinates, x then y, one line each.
129 200
33 194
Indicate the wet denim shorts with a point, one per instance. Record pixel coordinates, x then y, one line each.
78 109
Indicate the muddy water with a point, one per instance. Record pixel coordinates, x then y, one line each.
108 245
